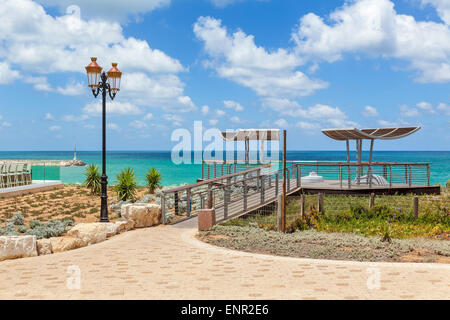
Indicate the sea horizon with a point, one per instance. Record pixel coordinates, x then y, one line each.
176 174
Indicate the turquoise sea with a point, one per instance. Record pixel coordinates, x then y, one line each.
140 161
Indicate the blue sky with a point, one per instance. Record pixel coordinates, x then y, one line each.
295 65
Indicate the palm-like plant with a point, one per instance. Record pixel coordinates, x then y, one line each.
153 177
93 178
126 185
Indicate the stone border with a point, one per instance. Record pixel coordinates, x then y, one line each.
81 235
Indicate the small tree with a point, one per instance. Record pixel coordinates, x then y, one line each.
93 178
126 185
153 177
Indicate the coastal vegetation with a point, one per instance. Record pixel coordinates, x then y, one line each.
153 178
93 178
126 185
16 225
73 202
347 228
391 217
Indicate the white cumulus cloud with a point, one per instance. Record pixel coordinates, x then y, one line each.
236 57
374 27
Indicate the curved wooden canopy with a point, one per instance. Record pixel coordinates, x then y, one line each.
370 134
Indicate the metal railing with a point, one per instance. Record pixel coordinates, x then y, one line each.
237 187
229 194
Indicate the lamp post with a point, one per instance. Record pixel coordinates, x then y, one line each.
106 83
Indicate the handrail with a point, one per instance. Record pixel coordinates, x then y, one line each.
315 162
208 181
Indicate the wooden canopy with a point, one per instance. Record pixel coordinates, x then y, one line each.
369 134
347 134
252 134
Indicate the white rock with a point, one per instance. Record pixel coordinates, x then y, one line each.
143 214
124 225
60 244
12 247
93 232
44 246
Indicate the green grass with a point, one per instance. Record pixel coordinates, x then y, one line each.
391 217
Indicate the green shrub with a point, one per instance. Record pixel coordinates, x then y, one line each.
17 219
50 229
93 179
68 222
153 178
447 185
34 223
126 185
22 229
9 230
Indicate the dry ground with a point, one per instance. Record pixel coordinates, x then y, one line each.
70 202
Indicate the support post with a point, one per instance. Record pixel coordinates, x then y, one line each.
202 201
320 203
340 176
369 171
372 200
406 174
163 208
416 206
175 202
288 173
279 213
203 165
210 197
428 175
349 176
245 192
349 172
299 175
225 201
390 176
277 184
297 169
188 202
262 188
283 200
208 171
302 205
410 176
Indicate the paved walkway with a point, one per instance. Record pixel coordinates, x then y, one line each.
167 262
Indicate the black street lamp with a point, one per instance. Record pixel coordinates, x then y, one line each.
106 83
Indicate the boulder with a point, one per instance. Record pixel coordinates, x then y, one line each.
44 246
124 225
93 232
12 247
60 244
143 214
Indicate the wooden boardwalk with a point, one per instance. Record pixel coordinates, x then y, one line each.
256 199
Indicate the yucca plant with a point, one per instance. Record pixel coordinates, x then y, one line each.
153 178
93 178
126 185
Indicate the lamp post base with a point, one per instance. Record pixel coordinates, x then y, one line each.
104 200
